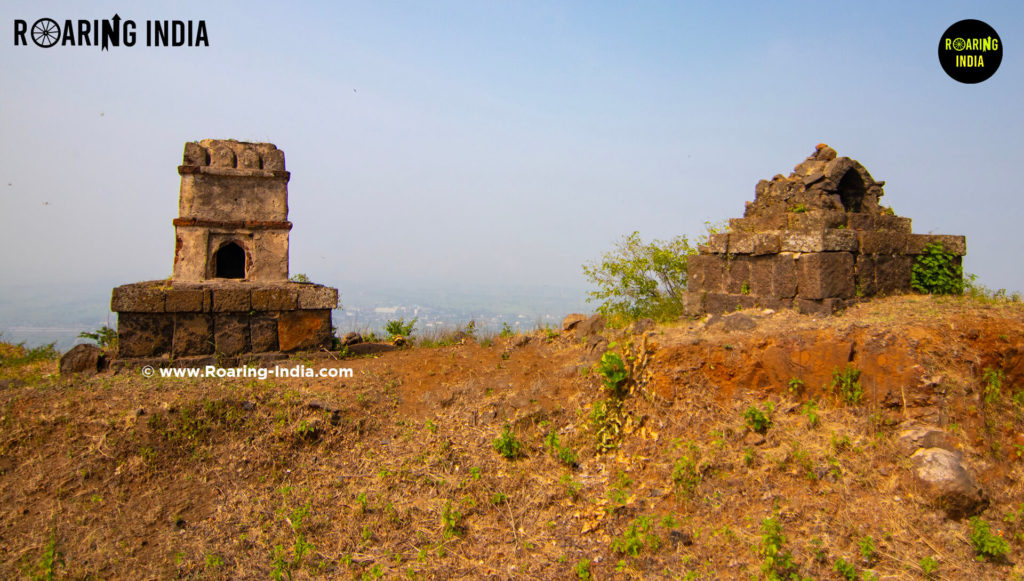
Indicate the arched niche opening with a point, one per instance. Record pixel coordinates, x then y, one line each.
229 261
851 191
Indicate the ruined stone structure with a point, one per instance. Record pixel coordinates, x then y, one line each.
817 241
229 294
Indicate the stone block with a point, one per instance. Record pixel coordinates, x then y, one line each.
707 272
738 274
825 275
140 297
761 275
860 221
741 243
766 243
893 223
864 277
718 243
818 307
784 278
892 274
304 330
715 303
831 240
231 333
318 297
952 244
275 298
187 301
817 220
883 242
144 334
263 332
742 225
193 334
230 299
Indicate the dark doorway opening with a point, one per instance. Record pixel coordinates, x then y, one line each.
851 192
229 261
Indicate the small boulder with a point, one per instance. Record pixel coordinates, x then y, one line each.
351 338
947 482
913 437
593 325
82 359
738 322
571 321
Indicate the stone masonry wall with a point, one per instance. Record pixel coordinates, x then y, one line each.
816 241
159 318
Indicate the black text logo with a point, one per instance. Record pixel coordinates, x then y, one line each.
114 31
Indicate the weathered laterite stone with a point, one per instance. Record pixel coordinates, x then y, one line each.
816 241
230 294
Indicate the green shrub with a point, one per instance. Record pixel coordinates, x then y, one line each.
847 384
759 420
104 336
507 445
613 373
399 327
639 279
777 564
637 537
937 272
987 545
562 453
14 355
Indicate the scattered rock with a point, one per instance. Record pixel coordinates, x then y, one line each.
592 326
947 482
738 322
753 439
82 359
913 437
596 346
680 538
521 341
571 321
641 326
351 338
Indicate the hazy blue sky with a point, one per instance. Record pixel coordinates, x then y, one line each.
488 142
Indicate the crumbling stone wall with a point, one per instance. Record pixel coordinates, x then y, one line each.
229 294
817 241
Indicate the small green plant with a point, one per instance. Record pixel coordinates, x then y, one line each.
810 410
987 546
749 456
686 473
847 570
745 288
798 209
498 498
506 330
928 566
937 272
564 454
613 373
867 549
638 536
399 328
299 277
777 563
847 384
993 384
214 561
46 568
507 445
572 486
759 420
430 426
796 386
582 569
104 336
450 521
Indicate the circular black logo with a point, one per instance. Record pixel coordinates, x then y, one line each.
970 51
45 32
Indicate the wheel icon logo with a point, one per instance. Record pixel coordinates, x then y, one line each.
959 44
45 32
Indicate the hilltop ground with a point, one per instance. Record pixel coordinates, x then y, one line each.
394 472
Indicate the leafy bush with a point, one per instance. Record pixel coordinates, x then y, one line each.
299 277
14 355
847 384
637 537
507 445
639 279
562 453
613 373
104 336
399 327
987 545
937 272
758 420
778 563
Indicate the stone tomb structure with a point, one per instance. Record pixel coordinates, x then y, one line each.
229 294
816 241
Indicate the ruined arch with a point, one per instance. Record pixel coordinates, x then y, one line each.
851 190
229 261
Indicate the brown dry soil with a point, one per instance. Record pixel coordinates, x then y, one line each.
393 473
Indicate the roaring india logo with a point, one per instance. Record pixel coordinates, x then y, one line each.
970 51
114 31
